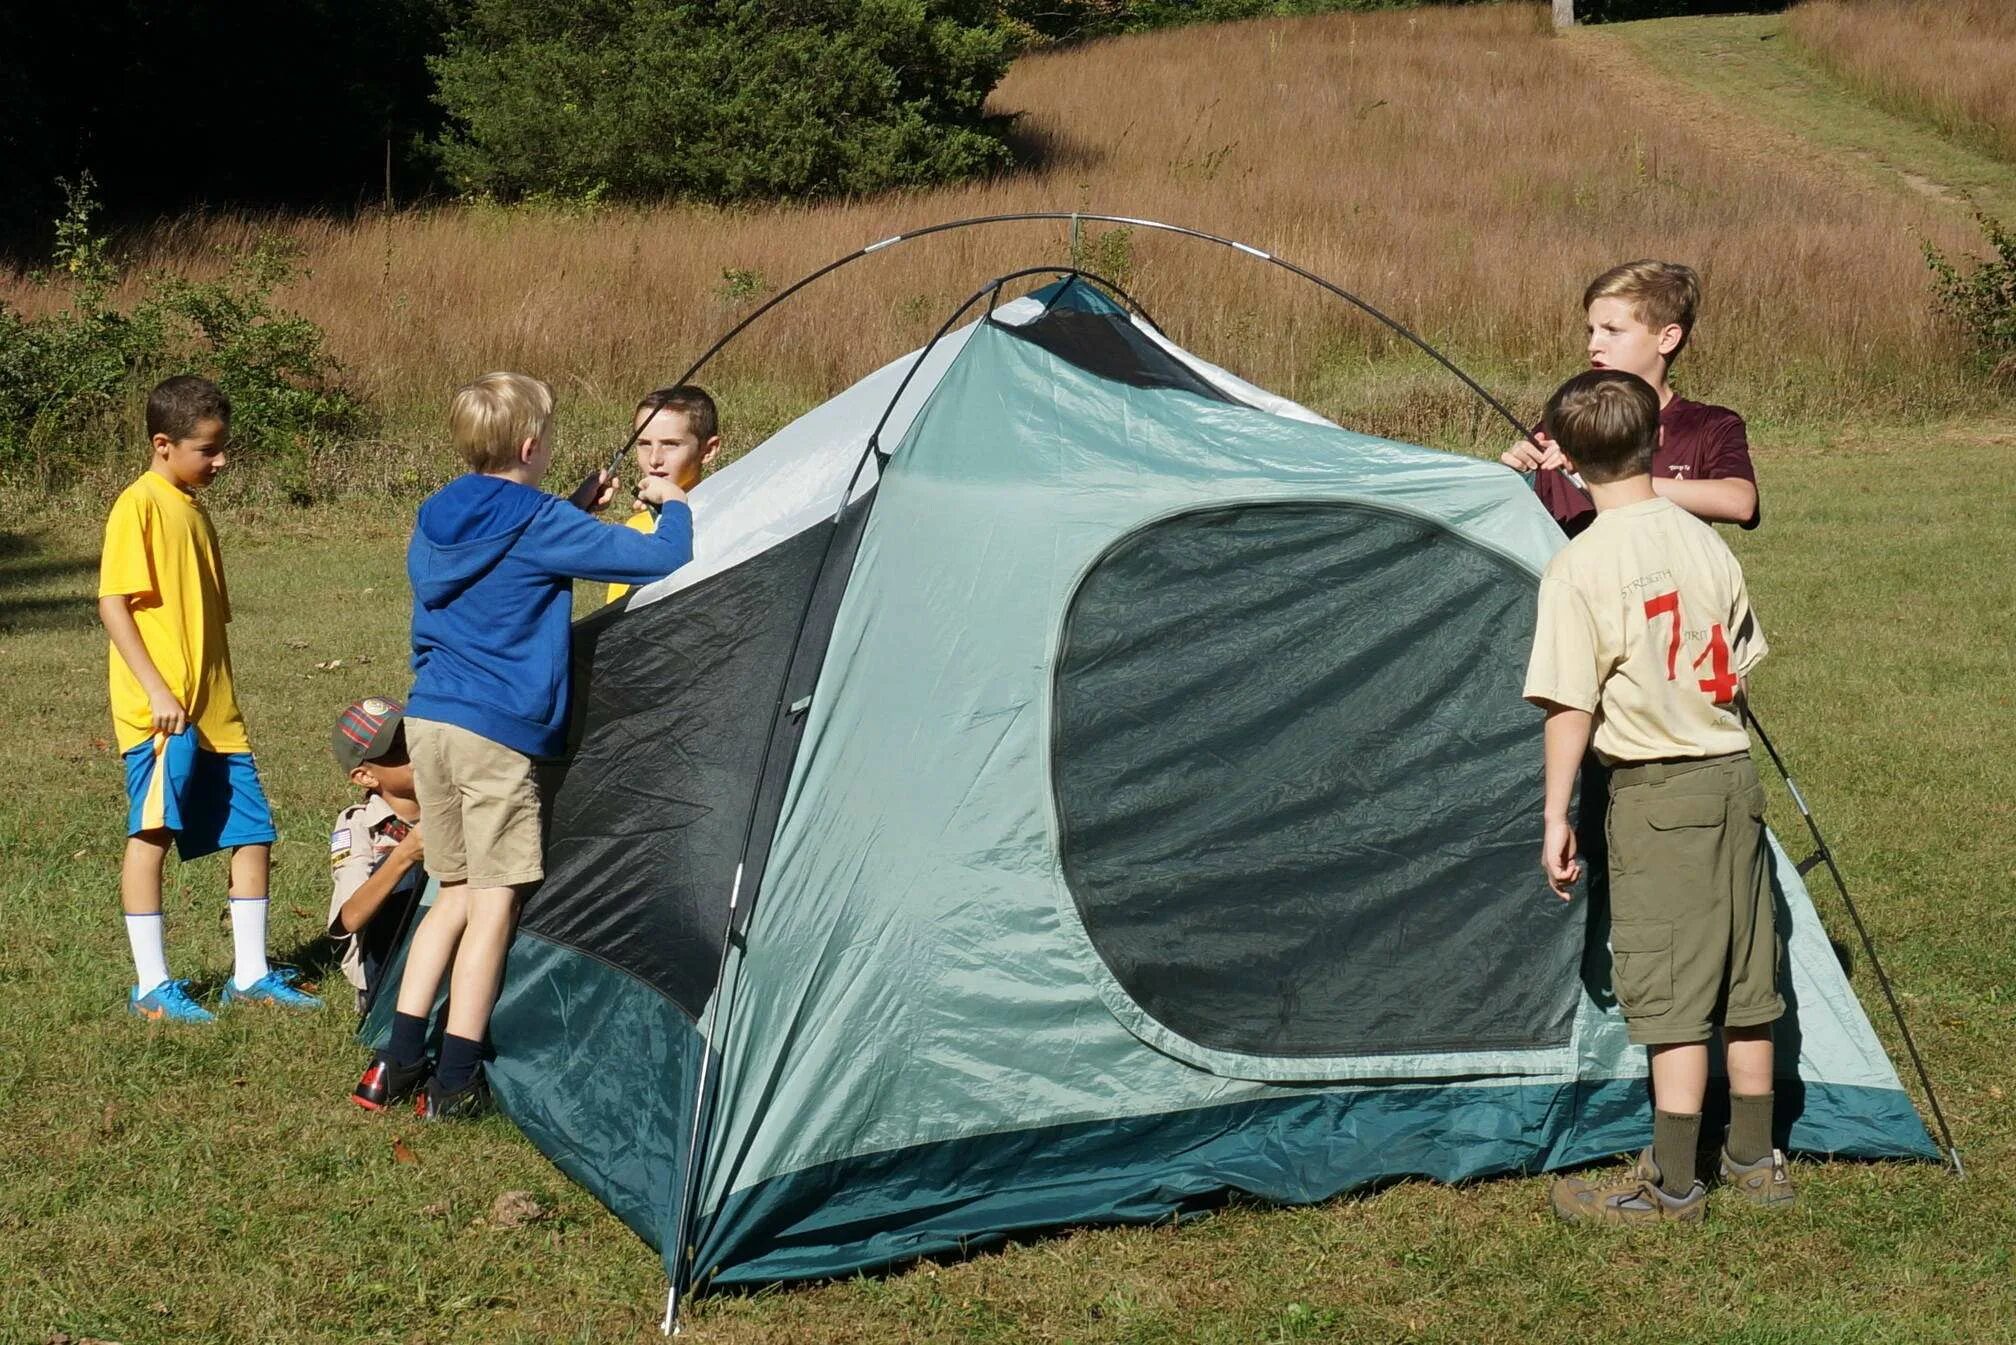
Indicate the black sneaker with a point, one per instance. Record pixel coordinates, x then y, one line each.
385 1083
470 1100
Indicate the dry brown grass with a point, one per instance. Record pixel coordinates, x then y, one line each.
1952 62
1457 167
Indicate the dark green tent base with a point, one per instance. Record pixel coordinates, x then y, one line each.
872 1212
621 1133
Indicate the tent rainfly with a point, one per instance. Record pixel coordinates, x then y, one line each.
1126 798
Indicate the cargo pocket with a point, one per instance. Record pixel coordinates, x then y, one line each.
1641 966
1686 810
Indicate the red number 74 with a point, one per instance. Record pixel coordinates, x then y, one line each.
1721 685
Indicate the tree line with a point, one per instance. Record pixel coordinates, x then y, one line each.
348 103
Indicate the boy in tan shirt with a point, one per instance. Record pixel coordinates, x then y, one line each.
1644 637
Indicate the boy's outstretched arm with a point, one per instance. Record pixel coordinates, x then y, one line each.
1567 740
1728 499
168 714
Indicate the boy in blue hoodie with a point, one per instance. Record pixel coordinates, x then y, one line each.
492 562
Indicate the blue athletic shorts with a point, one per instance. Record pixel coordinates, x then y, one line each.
211 800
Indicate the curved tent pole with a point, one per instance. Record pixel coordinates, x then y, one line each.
1074 217
1824 854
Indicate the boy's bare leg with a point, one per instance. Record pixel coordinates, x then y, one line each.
432 949
140 872
1751 1059
479 961
251 866
1679 1076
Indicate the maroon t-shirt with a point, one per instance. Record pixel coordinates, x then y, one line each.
1701 443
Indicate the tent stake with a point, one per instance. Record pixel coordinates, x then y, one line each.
1822 853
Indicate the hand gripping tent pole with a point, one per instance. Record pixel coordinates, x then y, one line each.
738 908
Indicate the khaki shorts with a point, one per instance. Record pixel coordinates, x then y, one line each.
1693 941
478 805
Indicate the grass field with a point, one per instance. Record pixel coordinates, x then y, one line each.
214 1186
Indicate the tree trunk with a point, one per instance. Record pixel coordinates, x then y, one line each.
1564 13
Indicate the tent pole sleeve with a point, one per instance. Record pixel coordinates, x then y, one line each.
1826 855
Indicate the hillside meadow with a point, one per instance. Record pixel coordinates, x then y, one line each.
1951 63
1463 169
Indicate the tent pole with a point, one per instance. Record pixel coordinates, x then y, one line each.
1076 217
1823 854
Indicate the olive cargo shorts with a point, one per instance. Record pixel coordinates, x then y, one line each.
1693 941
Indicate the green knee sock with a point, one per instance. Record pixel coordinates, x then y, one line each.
1749 1127
1675 1140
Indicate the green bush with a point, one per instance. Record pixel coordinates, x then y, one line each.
72 382
645 99
1983 298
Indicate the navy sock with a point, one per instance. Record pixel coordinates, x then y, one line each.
408 1046
459 1059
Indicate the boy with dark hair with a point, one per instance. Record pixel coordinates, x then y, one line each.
190 777
678 437
1644 637
492 562
375 847
1640 316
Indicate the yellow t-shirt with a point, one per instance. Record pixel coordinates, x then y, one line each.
641 521
1645 621
162 554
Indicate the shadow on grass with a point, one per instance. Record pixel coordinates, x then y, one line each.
25 563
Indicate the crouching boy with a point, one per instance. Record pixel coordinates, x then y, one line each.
375 847
491 562
1645 635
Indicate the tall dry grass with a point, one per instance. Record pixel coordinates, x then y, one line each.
1949 62
1457 167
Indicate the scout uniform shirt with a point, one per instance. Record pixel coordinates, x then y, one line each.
1645 621
161 554
364 834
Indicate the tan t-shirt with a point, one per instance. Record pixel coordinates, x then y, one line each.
1645 622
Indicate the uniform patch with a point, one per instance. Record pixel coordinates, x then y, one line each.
339 846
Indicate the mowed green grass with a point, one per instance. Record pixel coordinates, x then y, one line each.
167 1184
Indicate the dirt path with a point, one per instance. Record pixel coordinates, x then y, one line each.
1737 83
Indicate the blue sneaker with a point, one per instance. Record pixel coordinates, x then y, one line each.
168 1002
275 987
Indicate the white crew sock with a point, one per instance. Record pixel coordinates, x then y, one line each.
150 955
248 940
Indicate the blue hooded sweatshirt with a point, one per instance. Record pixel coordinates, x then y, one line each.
490 563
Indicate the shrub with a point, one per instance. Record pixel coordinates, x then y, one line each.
71 382
1983 298
645 99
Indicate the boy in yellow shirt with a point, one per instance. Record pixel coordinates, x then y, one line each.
1644 636
679 442
190 778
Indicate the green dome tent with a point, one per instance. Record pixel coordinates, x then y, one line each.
1126 798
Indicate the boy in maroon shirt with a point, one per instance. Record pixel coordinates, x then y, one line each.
1640 315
